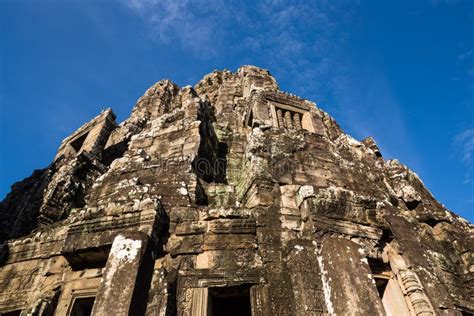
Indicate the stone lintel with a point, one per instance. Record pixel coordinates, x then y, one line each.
347 228
89 239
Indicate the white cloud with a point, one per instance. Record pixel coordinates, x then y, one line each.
291 38
464 141
438 3
464 145
366 105
194 25
300 42
465 55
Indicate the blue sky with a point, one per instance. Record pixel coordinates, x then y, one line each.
400 71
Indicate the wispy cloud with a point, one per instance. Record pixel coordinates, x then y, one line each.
293 38
194 25
437 3
464 145
464 141
465 55
301 42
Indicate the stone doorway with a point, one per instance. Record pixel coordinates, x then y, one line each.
229 301
390 293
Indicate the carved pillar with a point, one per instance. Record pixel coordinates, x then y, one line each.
288 120
260 300
200 301
297 121
281 123
413 290
417 301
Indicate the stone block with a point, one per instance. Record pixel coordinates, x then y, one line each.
129 267
346 277
232 226
228 242
191 228
189 244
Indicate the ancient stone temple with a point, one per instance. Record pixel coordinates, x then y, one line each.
229 198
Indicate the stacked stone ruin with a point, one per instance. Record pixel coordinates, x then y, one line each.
229 198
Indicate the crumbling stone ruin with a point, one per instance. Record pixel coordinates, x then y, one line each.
229 198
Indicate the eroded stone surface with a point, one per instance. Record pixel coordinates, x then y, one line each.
230 187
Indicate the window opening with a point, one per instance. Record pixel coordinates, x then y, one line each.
78 142
82 306
229 301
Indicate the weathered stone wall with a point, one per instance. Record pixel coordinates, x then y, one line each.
232 188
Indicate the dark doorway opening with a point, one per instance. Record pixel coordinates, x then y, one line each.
381 273
82 306
12 313
89 258
229 301
381 284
